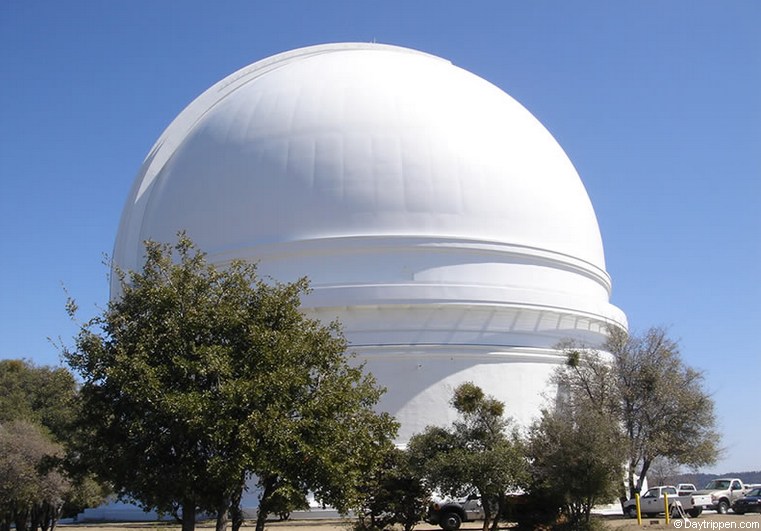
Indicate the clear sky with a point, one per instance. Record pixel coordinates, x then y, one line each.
657 103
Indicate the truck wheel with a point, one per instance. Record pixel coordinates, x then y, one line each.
450 521
631 512
695 512
722 507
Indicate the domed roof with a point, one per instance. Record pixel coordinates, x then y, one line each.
349 140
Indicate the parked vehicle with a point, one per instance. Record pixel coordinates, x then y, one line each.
685 489
449 514
724 493
652 502
750 503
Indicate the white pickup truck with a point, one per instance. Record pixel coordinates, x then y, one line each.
450 513
652 502
724 492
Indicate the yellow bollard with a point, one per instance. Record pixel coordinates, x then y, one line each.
666 504
639 513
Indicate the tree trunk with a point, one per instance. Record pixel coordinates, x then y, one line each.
633 489
236 514
222 509
55 515
574 511
487 514
21 517
501 509
588 504
261 519
188 515
35 517
261 515
643 472
47 516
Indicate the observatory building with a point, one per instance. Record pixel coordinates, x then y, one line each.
435 217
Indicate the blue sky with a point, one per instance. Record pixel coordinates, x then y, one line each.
658 105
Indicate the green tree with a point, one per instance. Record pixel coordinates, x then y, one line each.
32 492
660 402
85 491
43 395
195 378
393 494
37 409
477 453
576 453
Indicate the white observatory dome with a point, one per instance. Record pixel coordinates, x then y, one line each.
436 218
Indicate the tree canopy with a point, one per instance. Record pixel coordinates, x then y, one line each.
659 401
576 454
196 378
393 495
29 490
42 395
479 452
38 406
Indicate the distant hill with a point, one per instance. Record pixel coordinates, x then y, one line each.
700 480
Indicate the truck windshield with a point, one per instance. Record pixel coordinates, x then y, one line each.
718 484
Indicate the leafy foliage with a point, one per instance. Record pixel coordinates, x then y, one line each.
576 454
37 410
196 378
31 491
42 395
393 494
659 401
478 452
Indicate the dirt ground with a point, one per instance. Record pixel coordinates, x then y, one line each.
708 521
